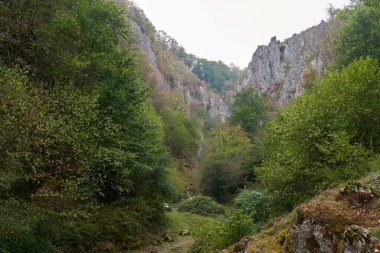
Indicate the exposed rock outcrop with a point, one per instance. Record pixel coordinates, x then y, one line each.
359 240
314 238
309 237
329 223
145 44
281 69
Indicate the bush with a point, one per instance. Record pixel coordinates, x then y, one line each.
201 205
217 235
254 204
19 229
209 238
25 228
219 178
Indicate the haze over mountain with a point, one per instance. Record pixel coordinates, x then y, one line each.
230 30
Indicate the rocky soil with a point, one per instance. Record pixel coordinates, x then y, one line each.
339 220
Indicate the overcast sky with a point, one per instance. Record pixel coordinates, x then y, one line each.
231 30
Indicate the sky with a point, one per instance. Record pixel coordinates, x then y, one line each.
231 30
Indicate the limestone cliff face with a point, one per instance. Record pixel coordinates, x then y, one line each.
145 45
280 69
173 76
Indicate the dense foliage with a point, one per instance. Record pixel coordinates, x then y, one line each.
219 76
329 135
201 205
254 204
225 168
216 235
248 111
326 136
181 133
78 133
359 35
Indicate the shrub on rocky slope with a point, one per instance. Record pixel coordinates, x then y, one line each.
331 222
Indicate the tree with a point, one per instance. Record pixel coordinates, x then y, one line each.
248 111
181 133
359 35
223 171
78 130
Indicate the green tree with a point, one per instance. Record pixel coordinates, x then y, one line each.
248 111
359 34
181 133
223 171
326 136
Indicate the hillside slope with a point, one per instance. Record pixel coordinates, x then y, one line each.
342 219
168 73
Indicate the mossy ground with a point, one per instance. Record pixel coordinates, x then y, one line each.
179 221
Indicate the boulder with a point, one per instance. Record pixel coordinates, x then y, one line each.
309 237
168 236
184 233
359 240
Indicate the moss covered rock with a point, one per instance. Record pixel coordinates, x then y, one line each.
360 240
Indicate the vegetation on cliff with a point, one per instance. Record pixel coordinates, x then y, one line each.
96 137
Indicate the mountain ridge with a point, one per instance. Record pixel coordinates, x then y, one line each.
280 70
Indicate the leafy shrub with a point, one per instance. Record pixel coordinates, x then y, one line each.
237 226
19 229
25 228
219 234
254 204
201 205
209 238
177 182
219 178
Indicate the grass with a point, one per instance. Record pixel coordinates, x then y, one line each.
377 233
179 221
375 164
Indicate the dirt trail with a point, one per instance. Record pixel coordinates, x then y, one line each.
180 245
179 222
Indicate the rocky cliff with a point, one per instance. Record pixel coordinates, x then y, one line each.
169 74
282 70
